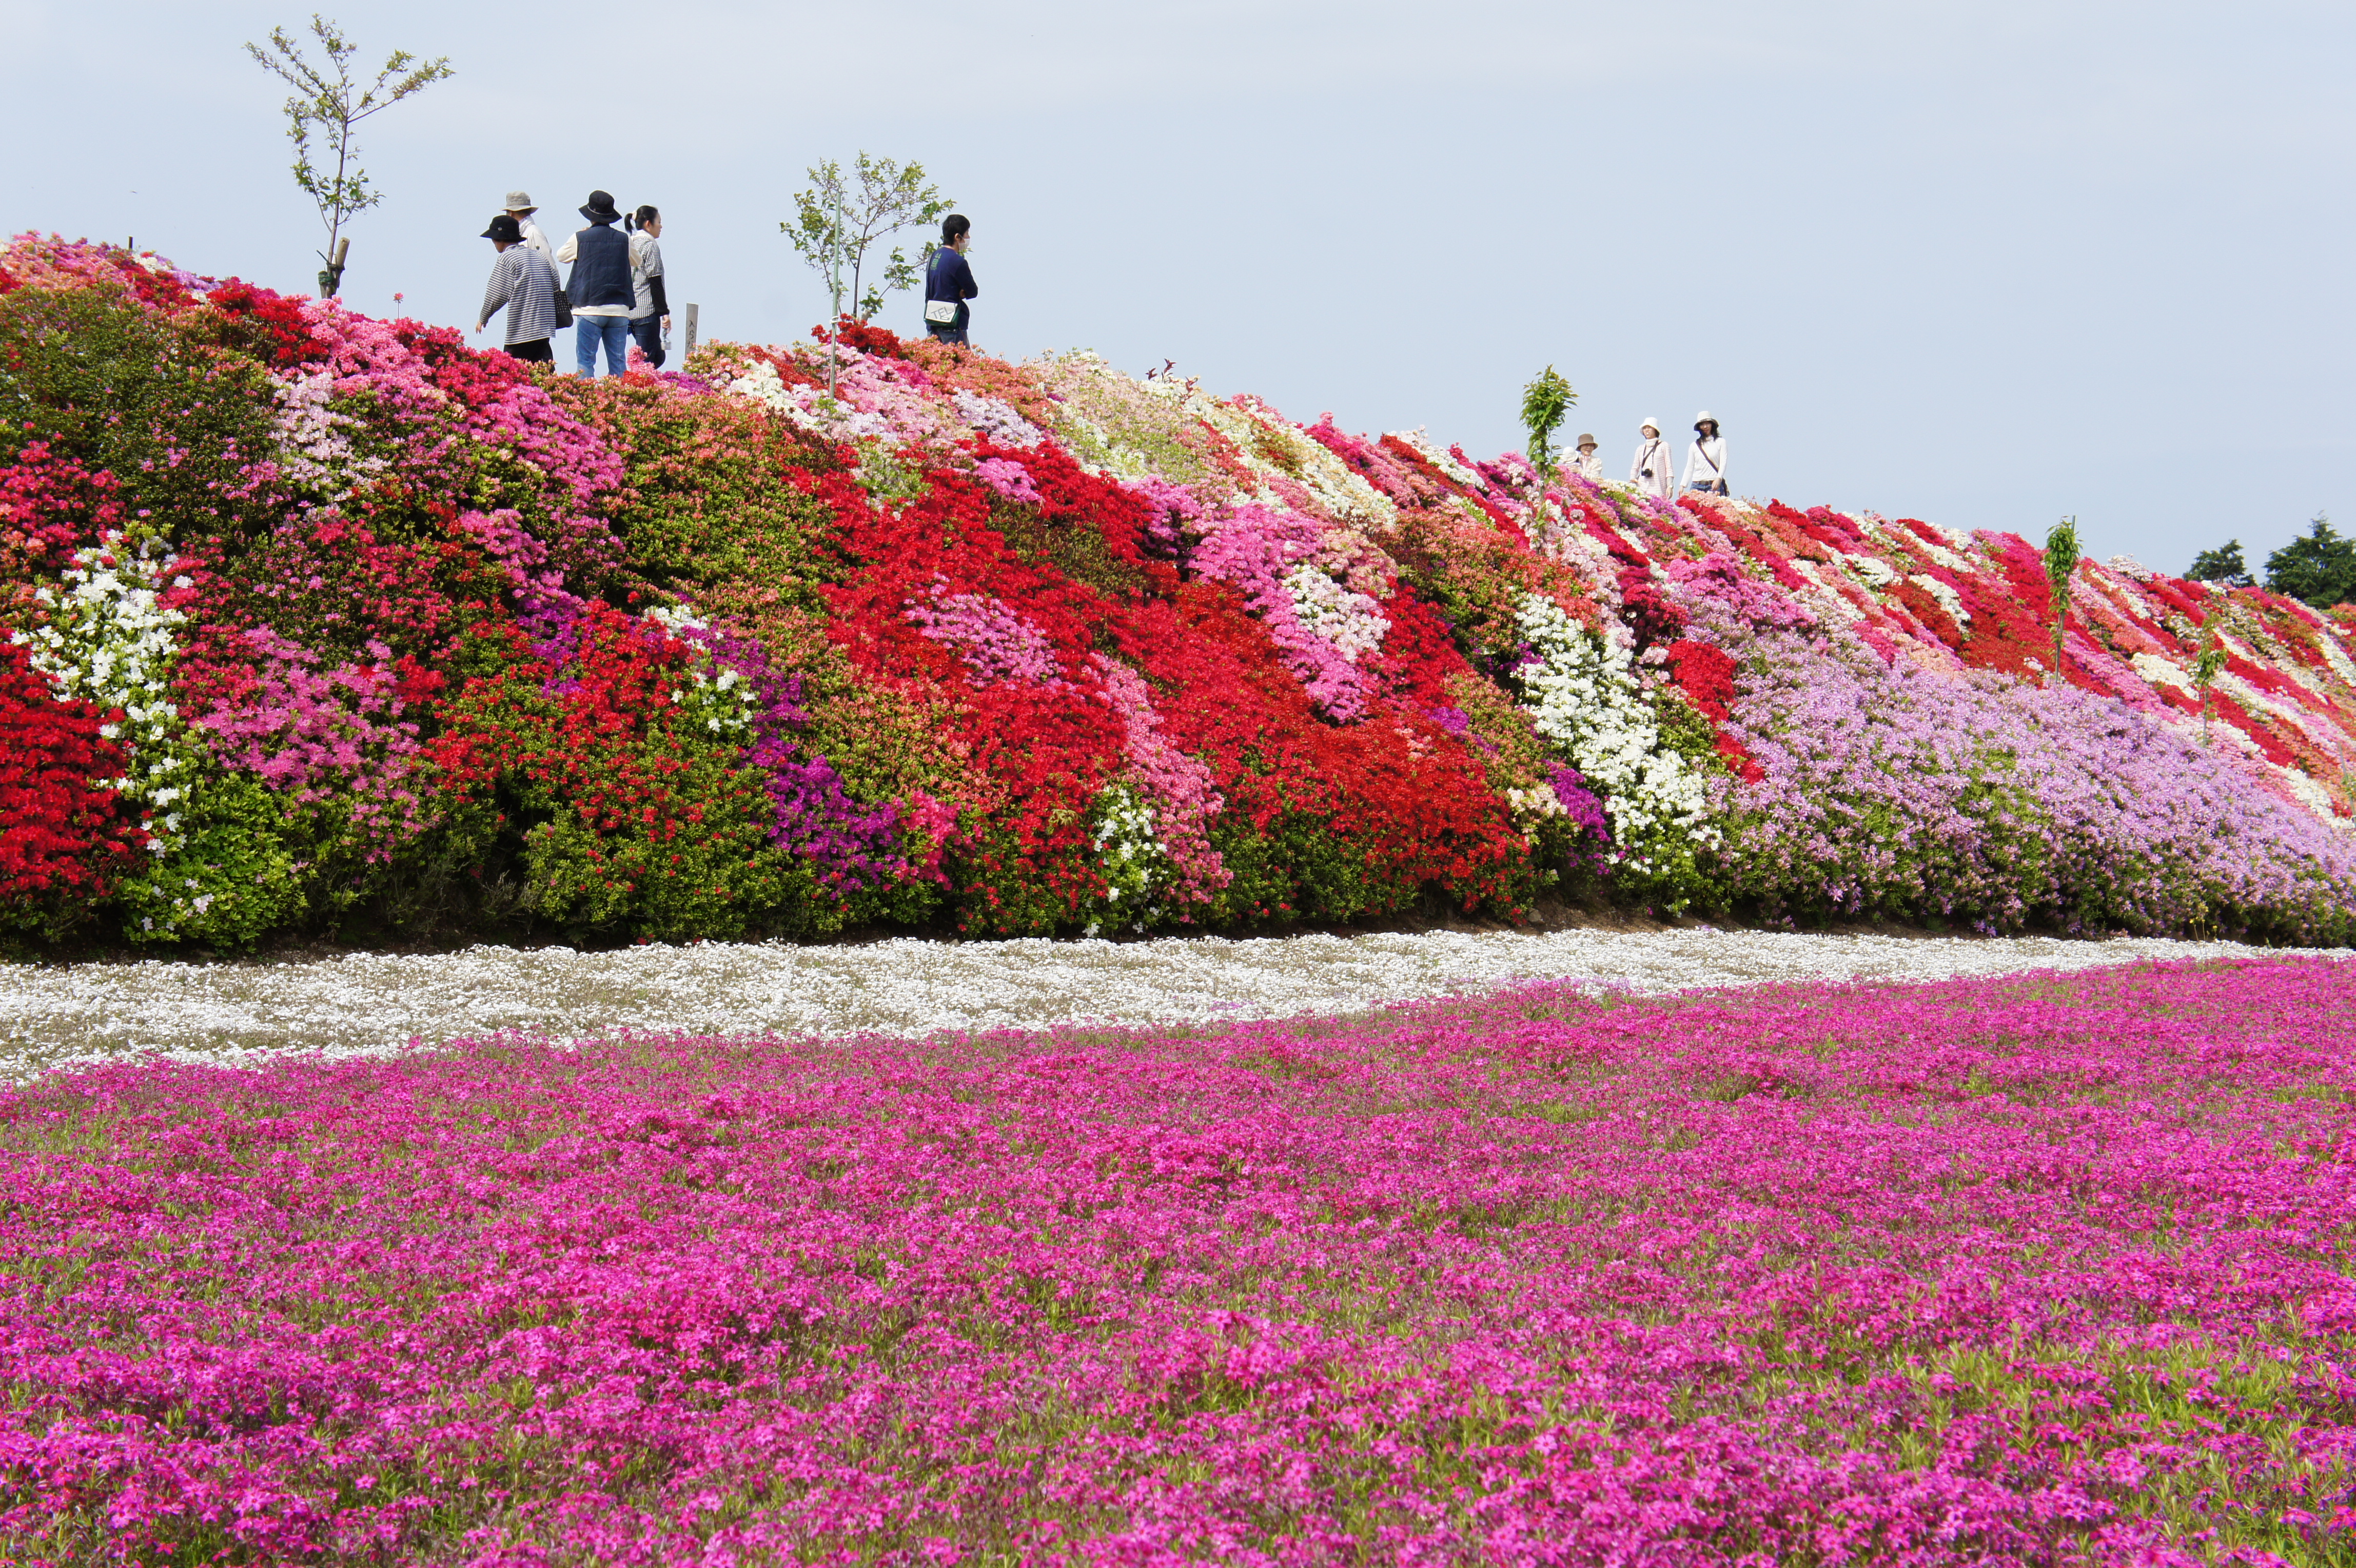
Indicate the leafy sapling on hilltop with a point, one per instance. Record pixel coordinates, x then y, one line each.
2061 561
1545 402
834 224
324 103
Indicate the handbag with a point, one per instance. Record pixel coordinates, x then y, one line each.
563 307
941 312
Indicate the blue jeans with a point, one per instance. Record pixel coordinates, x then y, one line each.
614 331
648 332
945 334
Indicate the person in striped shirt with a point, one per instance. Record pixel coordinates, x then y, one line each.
524 284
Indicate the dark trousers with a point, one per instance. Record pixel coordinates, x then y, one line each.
647 330
946 334
537 351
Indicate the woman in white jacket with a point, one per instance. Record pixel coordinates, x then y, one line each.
1706 458
1653 464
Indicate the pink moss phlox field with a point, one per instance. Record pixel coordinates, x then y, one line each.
2038 1270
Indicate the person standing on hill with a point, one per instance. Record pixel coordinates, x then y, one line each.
525 285
521 209
600 287
1587 464
1706 458
949 283
650 309
1654 464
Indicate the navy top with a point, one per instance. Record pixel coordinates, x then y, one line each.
947 277
601 268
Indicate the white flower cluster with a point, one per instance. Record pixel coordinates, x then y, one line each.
1535 804
312 448
810 408
1584 696
105 638
1134 862
719 697
1948 599
1352 623
994 418
1257 429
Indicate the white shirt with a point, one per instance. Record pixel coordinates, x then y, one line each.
1652 454
1706 461
535 239
646 262
566 256
1587 464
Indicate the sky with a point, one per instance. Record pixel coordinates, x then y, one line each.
1988 265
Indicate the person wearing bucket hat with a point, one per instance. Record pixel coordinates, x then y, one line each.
1587 464
520 208
524 284
1651 472
599 287
1706 458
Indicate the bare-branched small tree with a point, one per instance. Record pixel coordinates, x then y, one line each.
841 216
329 103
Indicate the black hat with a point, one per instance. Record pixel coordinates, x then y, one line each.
504 228
601 208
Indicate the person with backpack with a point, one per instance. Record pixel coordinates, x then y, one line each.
650 310
524 284
1651 471
599 288
1706 459
949 283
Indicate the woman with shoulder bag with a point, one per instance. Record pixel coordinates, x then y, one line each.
1706 458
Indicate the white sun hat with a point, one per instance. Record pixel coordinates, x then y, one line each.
1652 424
1704 418
520 201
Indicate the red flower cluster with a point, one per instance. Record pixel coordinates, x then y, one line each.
65 838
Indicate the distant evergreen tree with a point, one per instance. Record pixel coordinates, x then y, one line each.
2319 568
2221 565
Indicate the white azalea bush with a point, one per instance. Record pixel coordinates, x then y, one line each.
218 869
1583 695
1135 865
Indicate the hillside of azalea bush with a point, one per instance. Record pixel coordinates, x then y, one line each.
326 626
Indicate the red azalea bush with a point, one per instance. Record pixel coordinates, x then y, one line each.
66 839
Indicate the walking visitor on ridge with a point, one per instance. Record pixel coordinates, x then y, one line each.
1587 464
1706 459
949 283
599 288
650 310
520 208
1649 471
524 284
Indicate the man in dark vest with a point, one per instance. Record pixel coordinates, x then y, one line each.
600 288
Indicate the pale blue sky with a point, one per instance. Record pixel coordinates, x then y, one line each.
1983 263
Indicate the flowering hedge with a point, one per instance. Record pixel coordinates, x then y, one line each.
2041 1270
394 635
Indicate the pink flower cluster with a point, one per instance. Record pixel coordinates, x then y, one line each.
1258 549
325 737
1182 790
995 642
2041 1270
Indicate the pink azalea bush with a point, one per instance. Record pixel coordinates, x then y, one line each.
2045 1269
